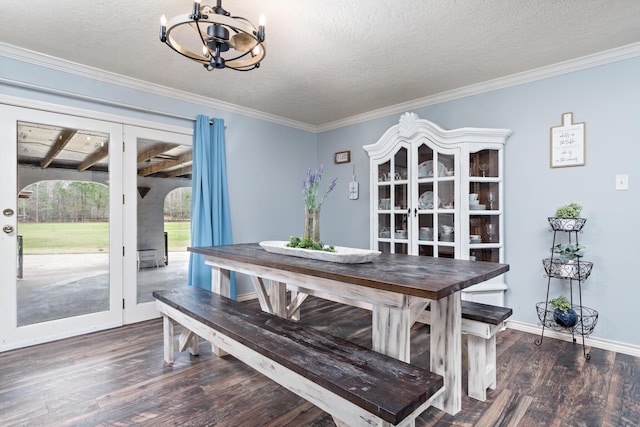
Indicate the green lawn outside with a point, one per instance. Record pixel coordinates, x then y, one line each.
86 237
178 235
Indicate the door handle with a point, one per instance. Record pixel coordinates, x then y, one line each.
8 229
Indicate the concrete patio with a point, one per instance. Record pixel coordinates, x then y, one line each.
66 285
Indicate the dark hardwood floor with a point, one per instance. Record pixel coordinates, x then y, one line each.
117 378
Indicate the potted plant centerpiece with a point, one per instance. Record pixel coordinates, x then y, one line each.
313 200
563 313
567 218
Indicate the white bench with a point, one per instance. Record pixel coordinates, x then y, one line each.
356 385
480 322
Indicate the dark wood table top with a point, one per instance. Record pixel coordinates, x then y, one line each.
420 276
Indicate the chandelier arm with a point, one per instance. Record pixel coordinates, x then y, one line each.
196 27
204 43
243 69
240 56
202 61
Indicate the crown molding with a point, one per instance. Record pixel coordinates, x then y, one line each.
80 70
589 61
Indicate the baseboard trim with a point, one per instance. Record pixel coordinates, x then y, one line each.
601 343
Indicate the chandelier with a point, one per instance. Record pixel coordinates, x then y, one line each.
214 38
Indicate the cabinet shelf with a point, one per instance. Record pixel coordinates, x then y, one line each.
483 179
474 212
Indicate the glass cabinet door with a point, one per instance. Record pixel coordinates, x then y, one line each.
393 203
427 224
485 210
436 194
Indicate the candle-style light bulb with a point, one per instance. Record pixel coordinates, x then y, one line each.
163 28
196 9
261 28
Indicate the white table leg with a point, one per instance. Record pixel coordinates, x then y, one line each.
446 351
220 284
392 341
167 328
278 298
221 281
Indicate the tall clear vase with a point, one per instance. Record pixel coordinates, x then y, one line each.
312 224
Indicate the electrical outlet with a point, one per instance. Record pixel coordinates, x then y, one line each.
622 182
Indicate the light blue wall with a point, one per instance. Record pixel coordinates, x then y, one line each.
266 162
607 98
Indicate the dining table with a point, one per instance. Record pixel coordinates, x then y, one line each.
395 287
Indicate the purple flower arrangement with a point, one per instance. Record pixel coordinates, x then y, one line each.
310 189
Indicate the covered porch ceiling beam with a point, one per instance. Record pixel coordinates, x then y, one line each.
177 172
184 158
94 158
64 137
154 151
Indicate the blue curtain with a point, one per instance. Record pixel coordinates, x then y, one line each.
210 214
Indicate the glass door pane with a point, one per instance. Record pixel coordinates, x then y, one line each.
158 164
63 231
164 215
63 222
65 227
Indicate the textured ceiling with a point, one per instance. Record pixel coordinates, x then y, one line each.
333 59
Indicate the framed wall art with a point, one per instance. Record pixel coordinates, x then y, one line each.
568 143
342 157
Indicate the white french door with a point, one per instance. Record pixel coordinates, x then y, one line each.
54 295
144 201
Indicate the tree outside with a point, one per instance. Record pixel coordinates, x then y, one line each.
73 217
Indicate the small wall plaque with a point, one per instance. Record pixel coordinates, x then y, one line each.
342 157
568 143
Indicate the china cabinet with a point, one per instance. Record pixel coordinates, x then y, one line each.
439 193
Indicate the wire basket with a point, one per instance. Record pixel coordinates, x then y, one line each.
579 270
587 319
566 224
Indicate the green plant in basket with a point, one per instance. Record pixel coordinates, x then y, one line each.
564 314
572 210
561 303
568 252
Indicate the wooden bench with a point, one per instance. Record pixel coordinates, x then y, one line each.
356 385
480 322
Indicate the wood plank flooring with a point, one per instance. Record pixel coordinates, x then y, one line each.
117 378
